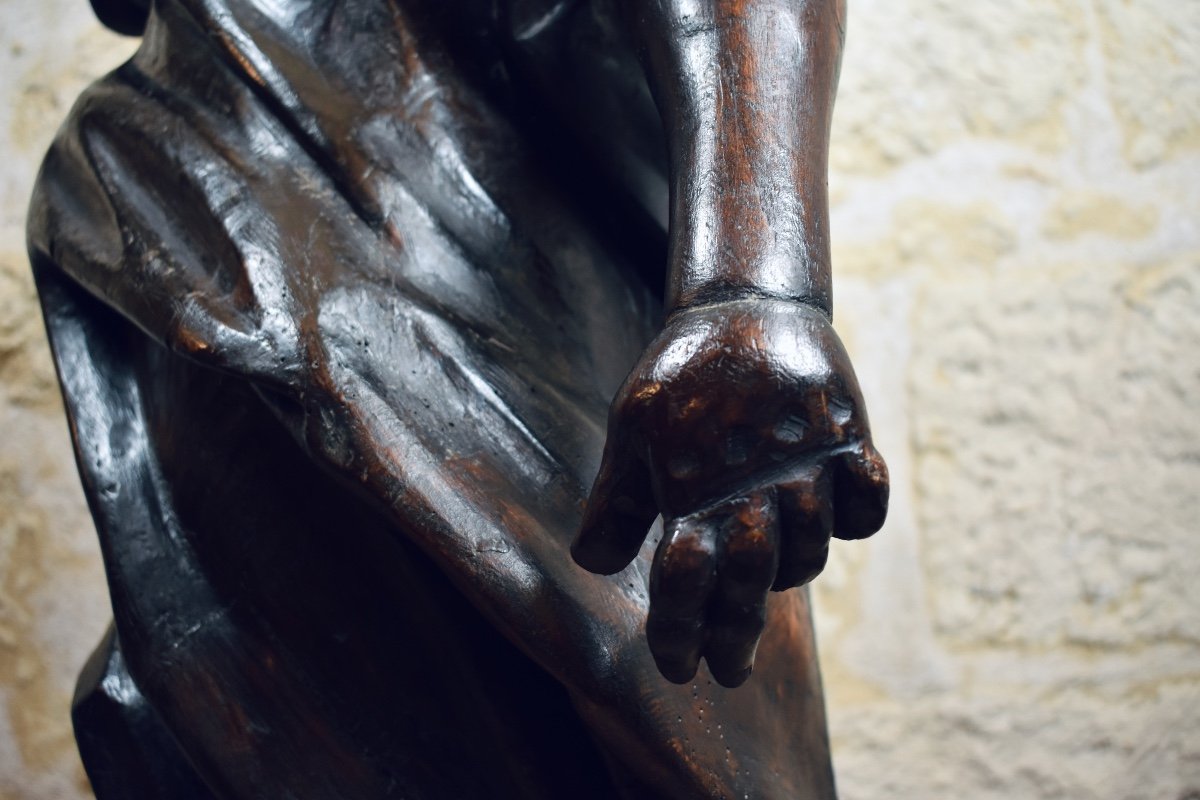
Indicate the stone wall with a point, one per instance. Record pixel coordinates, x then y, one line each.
1016 186
1016 191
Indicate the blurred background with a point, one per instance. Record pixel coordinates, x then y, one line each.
1015 194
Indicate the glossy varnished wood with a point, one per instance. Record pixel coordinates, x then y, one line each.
341 294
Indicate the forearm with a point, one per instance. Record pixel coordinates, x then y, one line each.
745 89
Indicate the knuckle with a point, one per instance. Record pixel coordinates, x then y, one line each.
806 504
682 576
739 625
669 633
868 466
689 547
751 550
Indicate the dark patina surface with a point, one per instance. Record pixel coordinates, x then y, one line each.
341 293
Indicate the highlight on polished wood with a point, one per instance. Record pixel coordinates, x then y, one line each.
454 388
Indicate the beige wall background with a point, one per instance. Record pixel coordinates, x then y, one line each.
1015 189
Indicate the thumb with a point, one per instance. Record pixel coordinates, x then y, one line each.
619 512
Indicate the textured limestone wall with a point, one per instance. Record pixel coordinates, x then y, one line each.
1016 187
1016 194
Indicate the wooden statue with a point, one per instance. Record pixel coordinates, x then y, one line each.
340 294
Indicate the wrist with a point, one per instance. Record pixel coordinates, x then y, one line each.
749 300
791 276
765 236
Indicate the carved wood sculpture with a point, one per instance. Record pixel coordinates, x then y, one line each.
340 292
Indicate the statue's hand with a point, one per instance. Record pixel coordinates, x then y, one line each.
743 424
